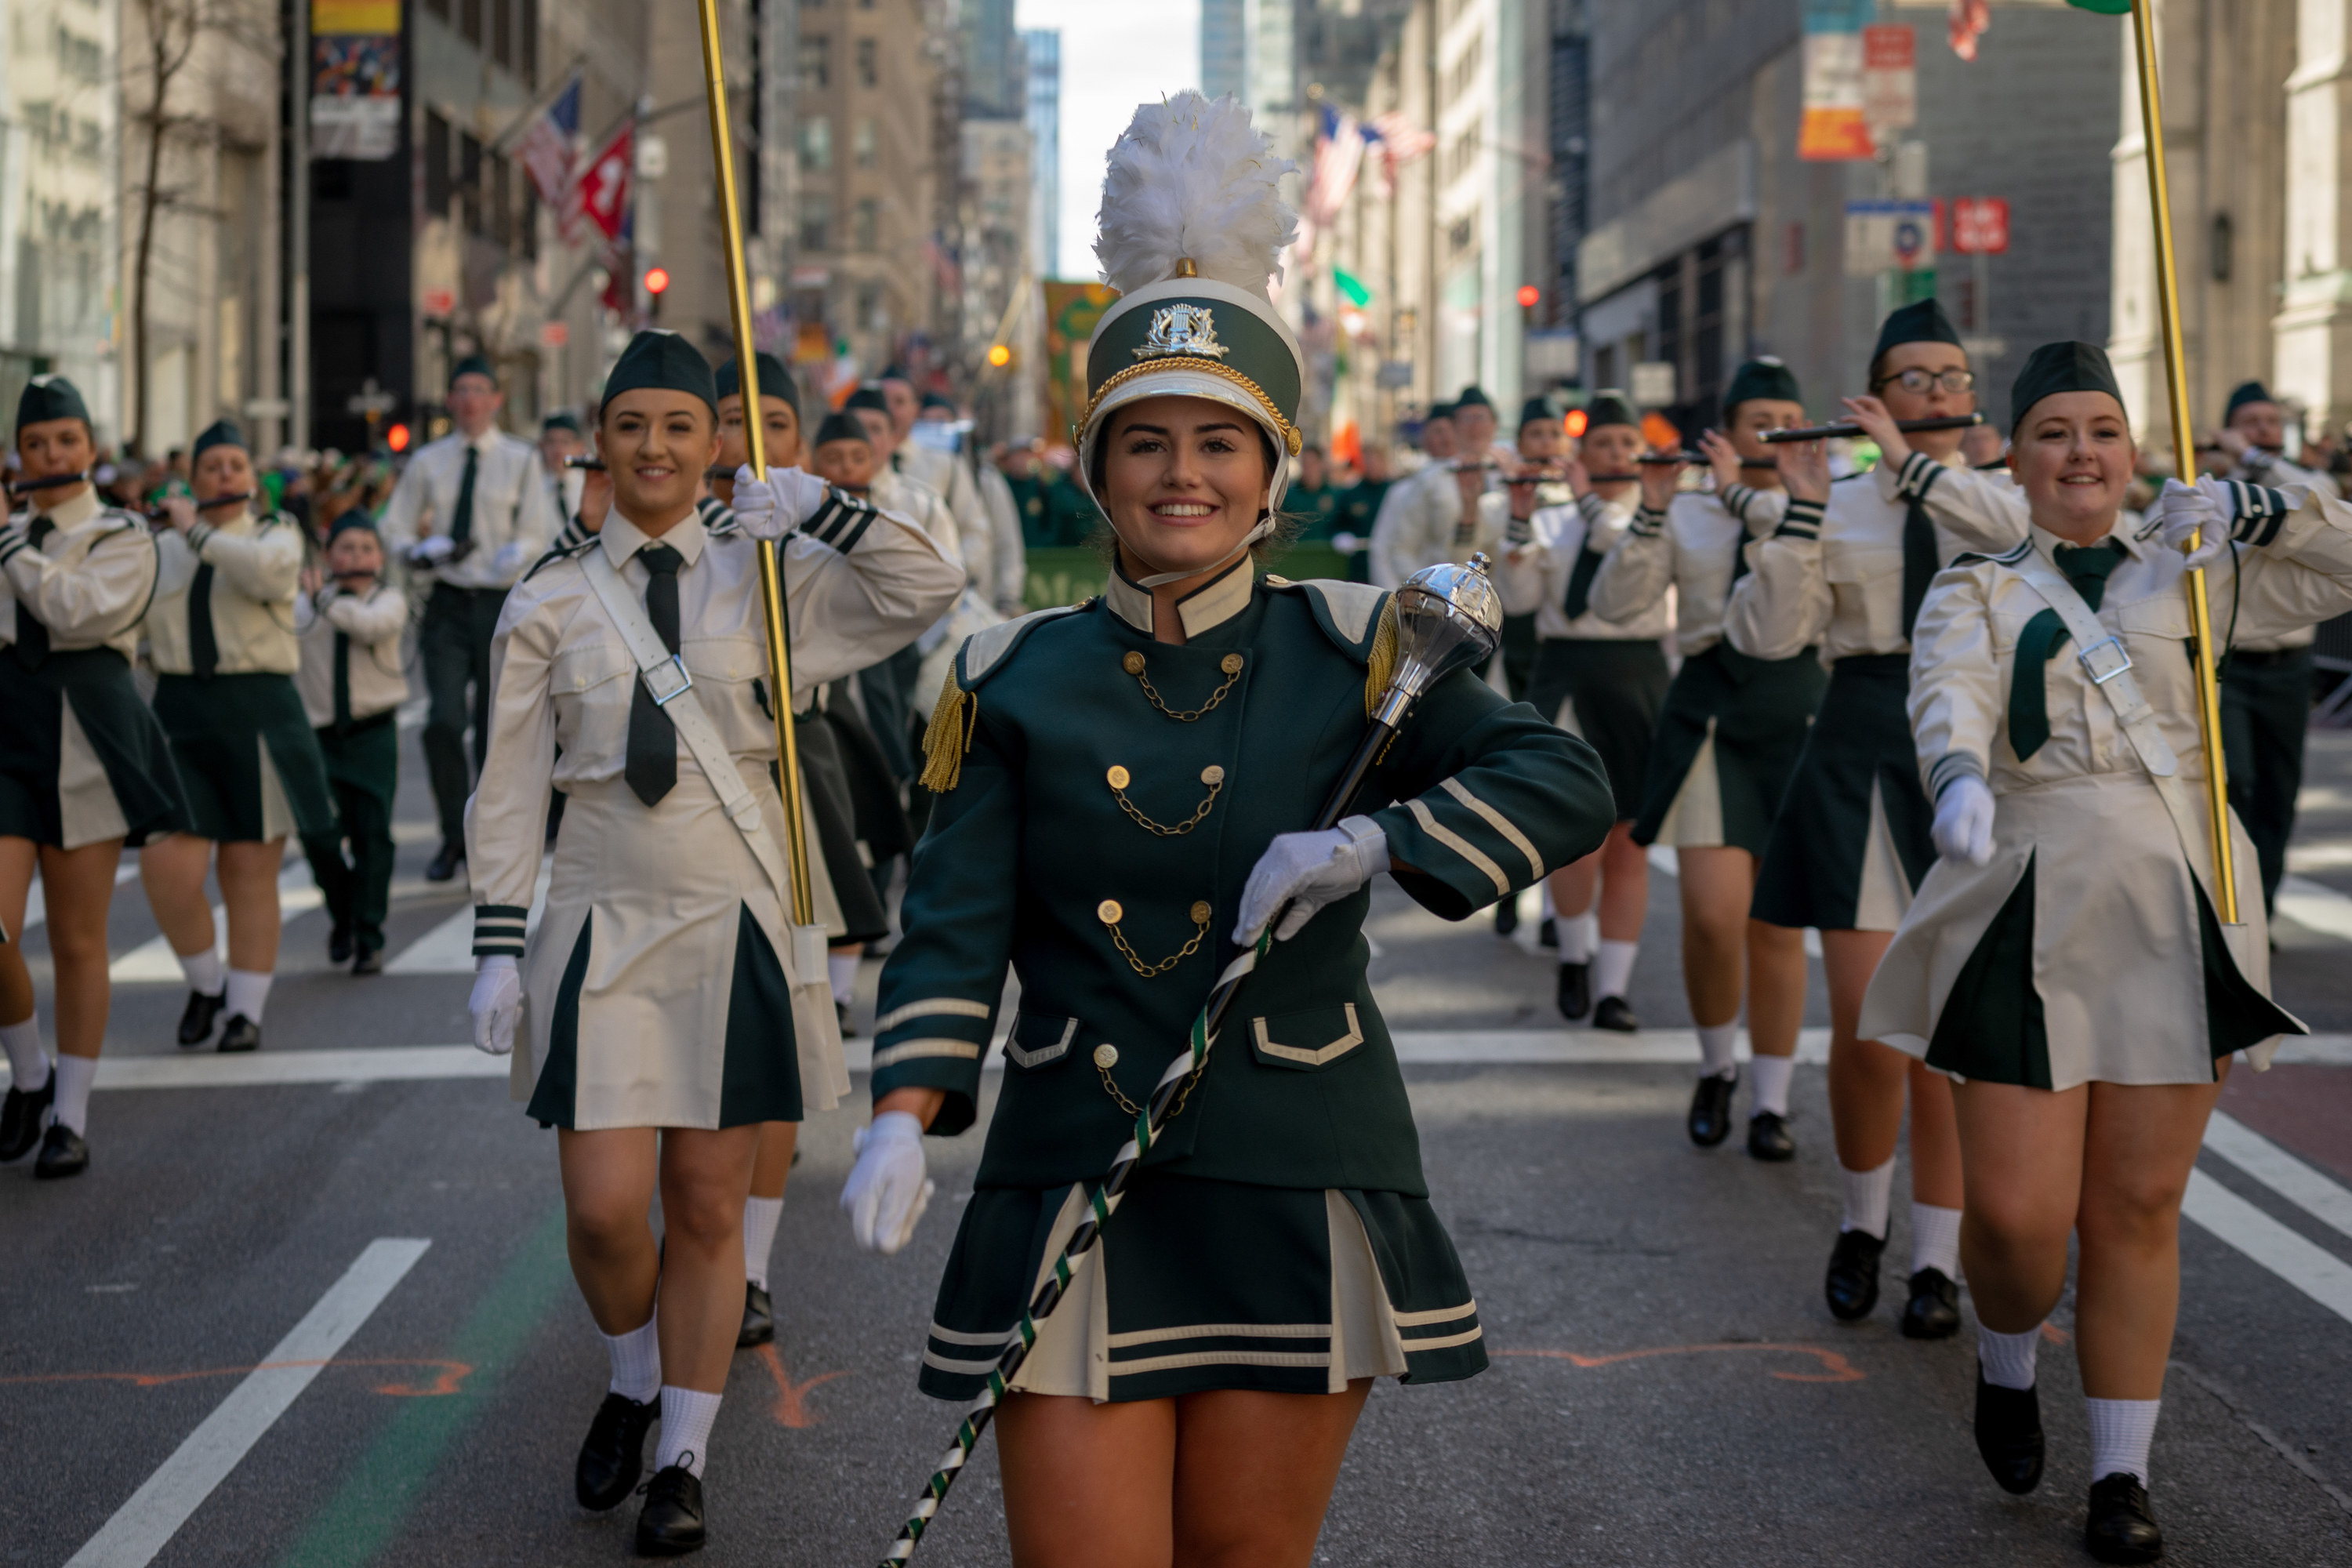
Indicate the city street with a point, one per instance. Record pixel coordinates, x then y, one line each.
312 1306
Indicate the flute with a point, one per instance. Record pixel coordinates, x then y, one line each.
49 481
1909 426
159 515
593 464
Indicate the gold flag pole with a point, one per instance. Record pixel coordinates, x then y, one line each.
2167 309
772 595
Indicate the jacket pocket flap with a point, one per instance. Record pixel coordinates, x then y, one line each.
1307 1041
724 659
579 669
1038 1039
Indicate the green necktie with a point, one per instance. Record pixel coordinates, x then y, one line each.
203 651
2029 686
1919 564
650 763
461 516
1579 582
31 634
343 682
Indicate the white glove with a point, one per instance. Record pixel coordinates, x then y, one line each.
886 1191
1310 870
432 551
2188 508
789 498
496 1003
1963 829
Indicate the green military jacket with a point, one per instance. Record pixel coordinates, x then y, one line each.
1029 501
1319 508
1103 798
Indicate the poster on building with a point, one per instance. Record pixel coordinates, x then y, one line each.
354 78
1835 126
1071 311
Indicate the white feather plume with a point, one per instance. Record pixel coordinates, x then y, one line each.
1193 178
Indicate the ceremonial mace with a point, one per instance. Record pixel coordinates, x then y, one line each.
772 609
1447 616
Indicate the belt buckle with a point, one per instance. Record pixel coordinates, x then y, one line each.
672 665
2105 666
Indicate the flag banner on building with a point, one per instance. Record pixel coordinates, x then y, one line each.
1834 126
619 261
2103 7
1071 311
549 145
1402 142
1340 141
601 193
1969 21
354 80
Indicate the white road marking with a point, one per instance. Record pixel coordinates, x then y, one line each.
2307 1189
2309 1267
448 948
153 963
2315 907
142 1526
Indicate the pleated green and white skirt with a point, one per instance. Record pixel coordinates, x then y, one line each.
1727 739
82 758
247 756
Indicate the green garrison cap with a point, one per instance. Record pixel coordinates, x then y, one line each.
2246 392
50 397
2054 368
663 360
562 419
1536 411
1473 397
1610 407
1761 377
774 380
1439 411
939 400
473 364
842 426
1922 321
219 433
868 398
354 520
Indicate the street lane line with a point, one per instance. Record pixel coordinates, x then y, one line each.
448 948
2316 905
2316 1195
2309 1267
142 1526
153 961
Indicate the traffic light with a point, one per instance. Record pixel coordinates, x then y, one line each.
657 280
1576 422
397 437
999 356
1529 296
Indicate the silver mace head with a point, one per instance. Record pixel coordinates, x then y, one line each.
1448 617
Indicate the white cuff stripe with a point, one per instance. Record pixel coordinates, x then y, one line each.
1498 821
1449 1342
1441 1315
1459 845
919 1050
936 1006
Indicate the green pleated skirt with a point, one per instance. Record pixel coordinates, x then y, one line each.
82 758
247 756
1743 721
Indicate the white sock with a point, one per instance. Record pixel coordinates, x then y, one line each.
28 1064
1935 1239
1613 967
841 968
1549 912
686 1422
759 1217
204 971
636 1363
75 1075
2008 1359
1771 1076
247 994
1717 1044
1576 933
2121 1431
1867 1195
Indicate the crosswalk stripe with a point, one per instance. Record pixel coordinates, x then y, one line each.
449 947
153 961
2280 1171
2308 1267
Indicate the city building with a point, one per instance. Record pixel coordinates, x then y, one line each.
1044 114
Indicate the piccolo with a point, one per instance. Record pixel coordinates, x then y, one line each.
593 464
48 481
1909 426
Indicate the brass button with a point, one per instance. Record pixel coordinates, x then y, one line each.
1106 1055
1132 663
1230 664
1212 774
1117 776
1109 912
1201 912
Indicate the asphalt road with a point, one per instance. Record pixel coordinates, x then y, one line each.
1667 1386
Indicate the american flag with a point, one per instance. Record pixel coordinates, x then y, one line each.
547 146
1338 155
1400 142
1969 21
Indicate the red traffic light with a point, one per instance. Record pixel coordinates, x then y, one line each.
397 437
1528 295
656 279
1576 422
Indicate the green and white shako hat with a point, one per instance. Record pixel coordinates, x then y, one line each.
1191 230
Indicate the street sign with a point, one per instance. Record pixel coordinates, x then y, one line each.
553 334
439 301
1653 384
1890 80
1980 225
1886 236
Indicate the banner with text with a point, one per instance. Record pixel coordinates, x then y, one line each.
354 78
1835 126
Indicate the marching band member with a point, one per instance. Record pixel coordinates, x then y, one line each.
1612 675
84 766
350 622
471 513
1851 840
1121 782
1436 515
2063 961
1541 445
220 634
655 1002
1728 735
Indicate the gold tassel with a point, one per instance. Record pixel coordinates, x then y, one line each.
1380 668
953 719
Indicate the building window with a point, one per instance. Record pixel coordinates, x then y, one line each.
469 21
1462 233
1463 73
816 143
438 7
469 181
869 70
816 62
863 140
502 200
437 164
867 225
527 40
817 221
873 309
502 32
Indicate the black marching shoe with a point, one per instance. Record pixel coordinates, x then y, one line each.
1574 991
1709 1121
239 1033
369 961
2008 1436
1933 1313
1852 1283
339 945
1767 1137
1547 933
2121 1528
445 861
670 1524
21 1116
64 1153
196 1018
1506 915
841 1016
758 1318
1615 1014
614 1453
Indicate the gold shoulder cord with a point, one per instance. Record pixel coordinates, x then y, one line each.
1230 664
1213 776
1110 913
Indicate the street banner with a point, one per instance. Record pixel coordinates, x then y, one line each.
1890 80
354 80
1968 20
1888 236
1834 127
1071 311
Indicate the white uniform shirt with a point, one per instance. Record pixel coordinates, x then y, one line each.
373 621
912 499
1422 521
89 581
1693 550
1535 576
975 539
256 576
1010 558
2260 468
514 516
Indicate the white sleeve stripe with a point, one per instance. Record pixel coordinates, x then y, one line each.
1499 821
1459 845
915 1050
936 1006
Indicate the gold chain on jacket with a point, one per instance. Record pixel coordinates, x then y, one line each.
1110 913
1230 664
1213 776
1106 1056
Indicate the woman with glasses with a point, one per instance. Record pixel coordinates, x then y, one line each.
1850 842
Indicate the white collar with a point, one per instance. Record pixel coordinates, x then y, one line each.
75 511
622 539
1210 605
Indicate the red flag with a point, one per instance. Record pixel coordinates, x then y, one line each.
601 193
1969 21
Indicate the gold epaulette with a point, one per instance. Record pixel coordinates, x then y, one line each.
1381 665
953 718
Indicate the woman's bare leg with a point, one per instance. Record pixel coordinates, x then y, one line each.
1087 1485
248 879
171 869
1718 885
2143 1143
705 1176
1254 1473
608 1199
78 887
2022 1154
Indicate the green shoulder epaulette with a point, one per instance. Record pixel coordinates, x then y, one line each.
983 653
2008 557
1360 619
560 553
